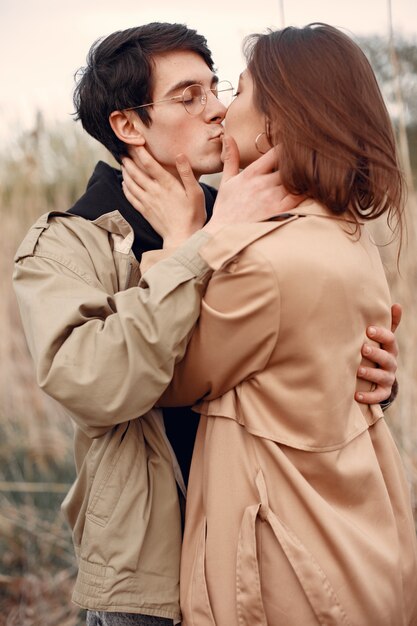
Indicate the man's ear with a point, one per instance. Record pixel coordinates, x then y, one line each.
127 127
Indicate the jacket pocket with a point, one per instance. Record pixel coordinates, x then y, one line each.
113 473
197 610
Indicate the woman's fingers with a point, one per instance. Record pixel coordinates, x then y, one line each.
385 338
230 158
385 359
194 191
132 190
396 315
146 163
267 163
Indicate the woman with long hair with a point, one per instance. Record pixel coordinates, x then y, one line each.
298 511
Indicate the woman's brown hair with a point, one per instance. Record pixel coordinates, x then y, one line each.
326 112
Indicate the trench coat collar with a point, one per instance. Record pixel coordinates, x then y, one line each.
312 207
231 240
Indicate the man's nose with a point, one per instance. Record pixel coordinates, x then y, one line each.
215 110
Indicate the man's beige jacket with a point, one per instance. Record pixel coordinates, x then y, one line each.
104 346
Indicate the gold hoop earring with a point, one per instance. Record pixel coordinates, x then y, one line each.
267 134
258 137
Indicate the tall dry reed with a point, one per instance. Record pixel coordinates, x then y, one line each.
402 278
44 170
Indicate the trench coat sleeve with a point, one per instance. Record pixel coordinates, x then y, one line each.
236 332
105 356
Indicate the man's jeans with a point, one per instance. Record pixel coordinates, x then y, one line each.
103 618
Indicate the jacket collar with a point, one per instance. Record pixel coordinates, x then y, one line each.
123 234
114 223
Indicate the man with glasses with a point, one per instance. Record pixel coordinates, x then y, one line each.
194 97
105 341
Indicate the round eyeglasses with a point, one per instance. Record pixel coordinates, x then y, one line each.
194 97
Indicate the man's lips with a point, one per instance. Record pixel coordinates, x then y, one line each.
218 137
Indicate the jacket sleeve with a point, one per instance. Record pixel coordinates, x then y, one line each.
106 356
235 334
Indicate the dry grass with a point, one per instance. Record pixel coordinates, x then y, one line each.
43 170
47 170
403 285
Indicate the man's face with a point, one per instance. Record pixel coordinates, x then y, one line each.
173 130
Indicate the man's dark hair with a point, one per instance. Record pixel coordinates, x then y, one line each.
118 75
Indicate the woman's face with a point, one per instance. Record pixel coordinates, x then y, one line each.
244 122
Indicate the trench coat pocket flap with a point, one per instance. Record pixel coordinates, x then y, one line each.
250 608
312 579
198 601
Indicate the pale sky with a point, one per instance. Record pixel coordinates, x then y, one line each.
43 42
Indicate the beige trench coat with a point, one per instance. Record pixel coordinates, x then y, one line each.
298 512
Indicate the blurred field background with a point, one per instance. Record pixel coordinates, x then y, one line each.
47 169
